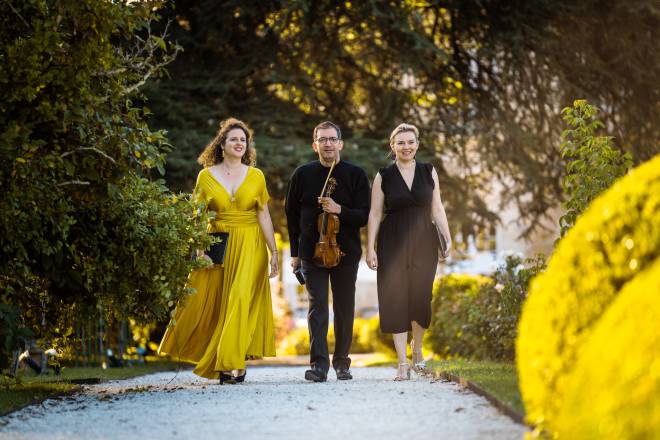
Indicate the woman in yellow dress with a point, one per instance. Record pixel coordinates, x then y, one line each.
229 318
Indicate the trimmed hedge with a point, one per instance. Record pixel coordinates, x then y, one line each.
624 392
615 239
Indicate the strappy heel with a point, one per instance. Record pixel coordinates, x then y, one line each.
418 362
240 378
227 378
403 372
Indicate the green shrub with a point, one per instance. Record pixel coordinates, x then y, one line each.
593 164
457 316
619 369
502 303
477 317
85 230
615 239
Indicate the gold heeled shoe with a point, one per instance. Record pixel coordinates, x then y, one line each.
403 372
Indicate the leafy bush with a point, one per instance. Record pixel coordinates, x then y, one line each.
83 229
13 335
502 302
457 320
477 317
615 239
593 165
619 369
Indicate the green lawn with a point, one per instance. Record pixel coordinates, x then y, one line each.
498 378
37 388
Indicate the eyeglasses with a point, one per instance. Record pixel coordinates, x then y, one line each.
323 140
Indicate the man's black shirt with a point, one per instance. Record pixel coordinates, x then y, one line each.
302 207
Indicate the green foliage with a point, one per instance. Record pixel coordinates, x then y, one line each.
613 241
482 80
456 316
477 317
138 258
83 230
593 164
13 335
502 303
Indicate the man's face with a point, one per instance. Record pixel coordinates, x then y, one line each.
327 144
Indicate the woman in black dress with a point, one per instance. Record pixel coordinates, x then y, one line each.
406 255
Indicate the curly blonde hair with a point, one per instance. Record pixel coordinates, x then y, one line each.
213 152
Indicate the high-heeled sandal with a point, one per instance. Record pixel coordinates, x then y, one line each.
240 378
418 362
403 372
227 378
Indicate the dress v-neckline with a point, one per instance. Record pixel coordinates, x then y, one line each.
412 182
231 196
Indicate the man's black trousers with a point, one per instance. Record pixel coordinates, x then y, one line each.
342 280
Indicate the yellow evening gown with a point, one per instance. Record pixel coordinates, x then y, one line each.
229 317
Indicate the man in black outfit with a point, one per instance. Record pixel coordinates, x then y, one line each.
350 201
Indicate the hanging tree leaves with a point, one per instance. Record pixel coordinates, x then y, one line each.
485 81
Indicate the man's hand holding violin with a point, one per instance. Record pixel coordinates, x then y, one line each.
329 205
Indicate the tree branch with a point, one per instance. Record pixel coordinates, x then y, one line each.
89 148
17 13
73 182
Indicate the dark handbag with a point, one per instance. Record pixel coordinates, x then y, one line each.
442 242
218 249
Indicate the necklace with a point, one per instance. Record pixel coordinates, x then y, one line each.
228 170
407 167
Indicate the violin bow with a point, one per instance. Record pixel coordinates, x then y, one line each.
327 178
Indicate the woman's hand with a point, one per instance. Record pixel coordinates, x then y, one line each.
201 255
274 266
443 257
372 259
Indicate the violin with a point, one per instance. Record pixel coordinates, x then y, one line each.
327 253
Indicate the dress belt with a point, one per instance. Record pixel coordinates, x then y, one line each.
235 219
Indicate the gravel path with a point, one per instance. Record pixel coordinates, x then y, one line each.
273 403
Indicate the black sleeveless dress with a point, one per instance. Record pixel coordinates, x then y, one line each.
407 250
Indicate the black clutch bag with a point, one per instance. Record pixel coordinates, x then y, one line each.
219 248
442 242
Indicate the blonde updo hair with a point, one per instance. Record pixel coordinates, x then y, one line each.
213 153
402 128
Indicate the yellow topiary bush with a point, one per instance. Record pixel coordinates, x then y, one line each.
616 238
614 390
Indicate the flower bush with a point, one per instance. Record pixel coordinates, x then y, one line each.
476 316
624 391
616 238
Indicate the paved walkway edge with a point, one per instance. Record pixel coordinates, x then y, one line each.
39 401
497 403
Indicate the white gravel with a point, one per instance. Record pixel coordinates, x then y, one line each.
273 403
